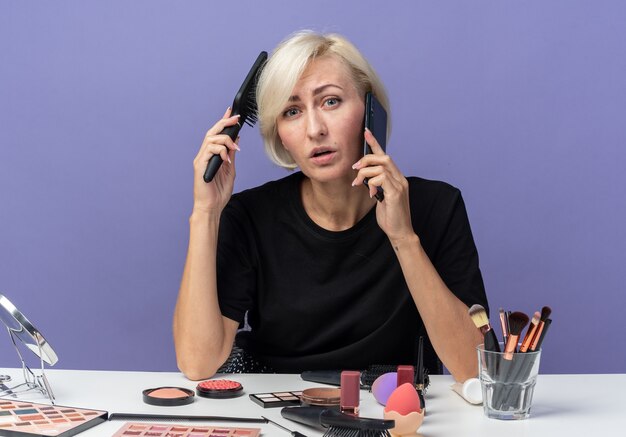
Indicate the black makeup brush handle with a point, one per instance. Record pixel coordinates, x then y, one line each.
522 372
305 415
216 160
491 341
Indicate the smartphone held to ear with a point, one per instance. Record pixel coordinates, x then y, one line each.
376 122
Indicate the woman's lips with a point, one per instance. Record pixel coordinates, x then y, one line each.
323 158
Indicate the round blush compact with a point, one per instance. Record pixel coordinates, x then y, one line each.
168 396
321 396
219 389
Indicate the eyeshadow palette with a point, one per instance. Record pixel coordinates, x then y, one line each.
277 399
18 418
161 430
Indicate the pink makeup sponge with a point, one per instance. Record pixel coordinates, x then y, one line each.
403 407
383 386
404 400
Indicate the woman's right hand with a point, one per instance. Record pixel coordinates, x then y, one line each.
213 196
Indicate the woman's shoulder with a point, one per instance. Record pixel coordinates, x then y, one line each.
431 188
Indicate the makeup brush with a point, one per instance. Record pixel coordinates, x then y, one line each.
545 313
517 322
530 334
479 317
419 364
293 433
546 325
419 375
521 370
504 323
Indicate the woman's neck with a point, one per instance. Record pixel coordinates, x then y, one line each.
335 206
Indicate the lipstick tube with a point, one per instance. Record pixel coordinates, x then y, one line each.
405 374
350 386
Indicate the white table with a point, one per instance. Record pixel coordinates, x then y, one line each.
564 405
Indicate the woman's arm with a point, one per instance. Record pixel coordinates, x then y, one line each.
450 329
203 338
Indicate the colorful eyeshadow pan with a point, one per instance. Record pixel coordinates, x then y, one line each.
277 399
219 389
162 430
20 419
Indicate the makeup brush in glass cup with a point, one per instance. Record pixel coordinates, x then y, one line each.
534 344
517 322
530 333
479 317
545 313
504 324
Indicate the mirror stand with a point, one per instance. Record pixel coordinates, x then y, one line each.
32 382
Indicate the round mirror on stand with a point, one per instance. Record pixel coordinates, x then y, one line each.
21 330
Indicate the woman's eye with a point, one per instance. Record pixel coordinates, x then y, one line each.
332 101
291 112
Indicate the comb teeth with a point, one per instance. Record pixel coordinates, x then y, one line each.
251 112
369 375
245 103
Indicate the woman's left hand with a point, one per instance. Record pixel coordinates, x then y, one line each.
393 213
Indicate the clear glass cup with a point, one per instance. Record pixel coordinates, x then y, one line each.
508 382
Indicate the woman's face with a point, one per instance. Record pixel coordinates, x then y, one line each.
321 125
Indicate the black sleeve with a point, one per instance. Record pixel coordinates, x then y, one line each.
236 274
456 258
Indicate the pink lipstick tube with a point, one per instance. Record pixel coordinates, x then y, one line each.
350 386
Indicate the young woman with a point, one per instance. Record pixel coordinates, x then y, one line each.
329 278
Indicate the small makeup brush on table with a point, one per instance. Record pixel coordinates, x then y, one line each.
292 433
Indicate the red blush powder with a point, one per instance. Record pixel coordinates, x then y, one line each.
219 388
220 384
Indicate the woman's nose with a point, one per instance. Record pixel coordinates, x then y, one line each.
316 125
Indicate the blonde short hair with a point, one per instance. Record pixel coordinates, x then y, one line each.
284 68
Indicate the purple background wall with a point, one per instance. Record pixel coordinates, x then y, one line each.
104 104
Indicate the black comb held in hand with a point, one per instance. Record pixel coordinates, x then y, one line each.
245 106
